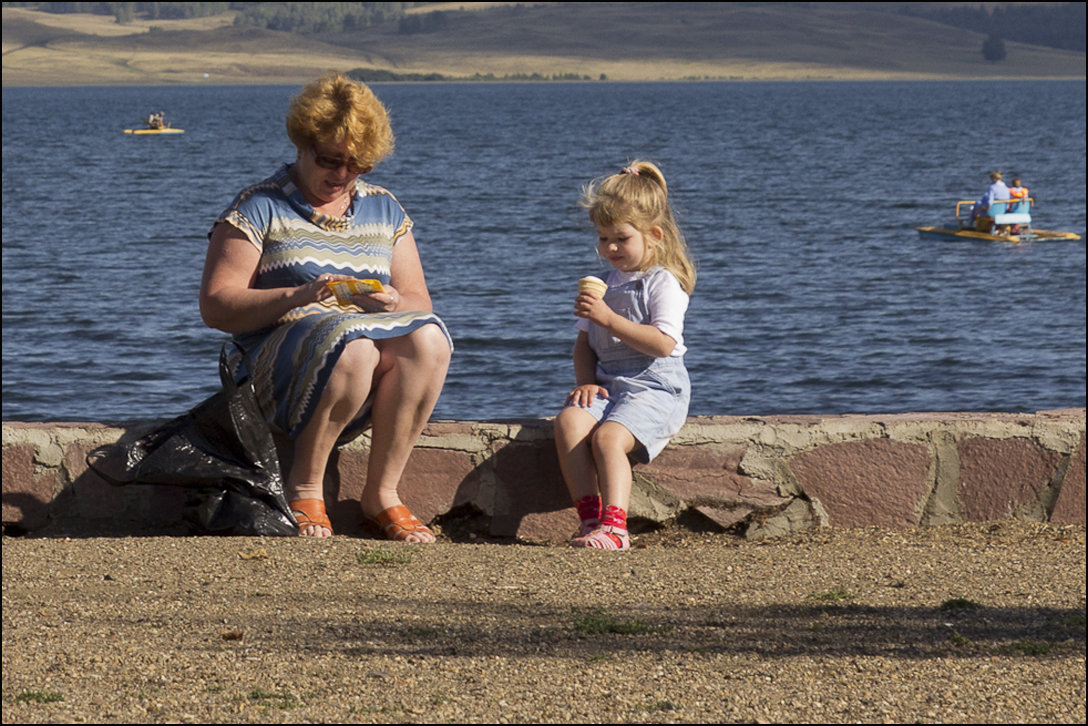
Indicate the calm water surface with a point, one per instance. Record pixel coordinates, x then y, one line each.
799 200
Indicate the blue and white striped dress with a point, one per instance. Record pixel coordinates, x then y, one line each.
294 358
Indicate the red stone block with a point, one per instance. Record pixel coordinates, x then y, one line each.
999 475
528 484
439 429
878 482
27 495
94 497
725 518
121 508
709 475
1070 505
435 481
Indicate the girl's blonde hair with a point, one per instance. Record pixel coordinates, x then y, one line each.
639 196
335 109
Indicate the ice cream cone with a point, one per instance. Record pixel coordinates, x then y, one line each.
593 285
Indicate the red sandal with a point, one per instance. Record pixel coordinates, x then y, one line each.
398 524
310 512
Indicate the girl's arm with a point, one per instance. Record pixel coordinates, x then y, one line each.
646 339
585 374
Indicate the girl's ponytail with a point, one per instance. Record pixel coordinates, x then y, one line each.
638 195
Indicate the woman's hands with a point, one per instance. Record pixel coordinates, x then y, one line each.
371 302
229 302
378 302
317 289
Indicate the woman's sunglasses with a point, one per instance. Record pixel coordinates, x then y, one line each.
335 163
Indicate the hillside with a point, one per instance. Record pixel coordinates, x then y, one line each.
620 41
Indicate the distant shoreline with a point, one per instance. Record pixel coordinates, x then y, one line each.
258 76
58 82
471 81
43 49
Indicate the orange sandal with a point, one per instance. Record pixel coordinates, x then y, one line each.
310 512
398 524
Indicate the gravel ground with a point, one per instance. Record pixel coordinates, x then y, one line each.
964 623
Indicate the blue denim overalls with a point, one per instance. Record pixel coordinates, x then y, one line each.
648 395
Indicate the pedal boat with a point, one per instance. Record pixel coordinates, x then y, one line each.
1007 221
167 130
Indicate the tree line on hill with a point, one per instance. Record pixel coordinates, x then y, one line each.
1055 26
127 12
292 17
1052 25
307 18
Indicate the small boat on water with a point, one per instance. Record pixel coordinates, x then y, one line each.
1008 221
167 130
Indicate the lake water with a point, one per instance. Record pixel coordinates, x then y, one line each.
799 200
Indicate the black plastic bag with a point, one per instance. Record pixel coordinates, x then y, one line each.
222 451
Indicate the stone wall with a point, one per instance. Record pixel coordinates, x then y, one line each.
755 477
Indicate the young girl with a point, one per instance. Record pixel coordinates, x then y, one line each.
631 392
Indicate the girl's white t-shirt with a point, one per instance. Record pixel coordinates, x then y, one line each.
668 302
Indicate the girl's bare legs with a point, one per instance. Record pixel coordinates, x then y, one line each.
343 397
573 429
408 381
612 442
593 459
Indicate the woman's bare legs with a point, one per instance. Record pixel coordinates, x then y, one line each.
408 381
343 397
405 376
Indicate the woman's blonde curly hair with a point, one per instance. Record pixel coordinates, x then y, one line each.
335 109
639 196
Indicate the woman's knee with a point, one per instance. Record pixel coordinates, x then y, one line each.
426 344
433 343
354 369
358 355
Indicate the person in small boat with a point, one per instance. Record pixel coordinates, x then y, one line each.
156 120
325 372
996 192
1017 192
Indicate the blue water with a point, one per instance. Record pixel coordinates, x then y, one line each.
799 200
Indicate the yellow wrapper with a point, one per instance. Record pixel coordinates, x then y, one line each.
344 289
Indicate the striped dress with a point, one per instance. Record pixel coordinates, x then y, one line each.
294 358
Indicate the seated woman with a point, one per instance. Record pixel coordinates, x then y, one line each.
324 372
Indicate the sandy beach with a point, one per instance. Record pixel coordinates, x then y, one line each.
960 623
